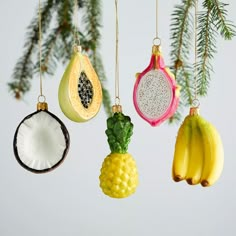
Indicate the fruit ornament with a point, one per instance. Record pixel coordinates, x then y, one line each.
199 153
156 93
41 140
119 176
80 91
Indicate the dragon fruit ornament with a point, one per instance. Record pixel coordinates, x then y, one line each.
156 93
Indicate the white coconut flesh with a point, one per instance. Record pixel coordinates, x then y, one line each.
41 142
154 94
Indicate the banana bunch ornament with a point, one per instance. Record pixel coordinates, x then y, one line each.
199 154
119 175
80 92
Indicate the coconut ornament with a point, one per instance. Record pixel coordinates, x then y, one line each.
41 141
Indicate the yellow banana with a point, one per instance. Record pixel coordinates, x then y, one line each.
180 163
214 154
196 153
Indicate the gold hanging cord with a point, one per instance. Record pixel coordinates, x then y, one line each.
157 40
195 101
41 97
117 89
76 25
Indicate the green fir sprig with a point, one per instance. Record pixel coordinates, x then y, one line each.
212 22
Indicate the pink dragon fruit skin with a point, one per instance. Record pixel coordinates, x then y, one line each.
156 93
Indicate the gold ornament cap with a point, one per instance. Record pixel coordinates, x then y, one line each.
156 49
42 106
194 111
116 108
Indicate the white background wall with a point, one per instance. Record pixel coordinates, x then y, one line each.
68 201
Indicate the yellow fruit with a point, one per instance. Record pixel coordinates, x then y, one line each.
196 154
119 176
180 162
214 155
80 92
199 155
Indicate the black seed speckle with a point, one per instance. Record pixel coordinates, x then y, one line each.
85 90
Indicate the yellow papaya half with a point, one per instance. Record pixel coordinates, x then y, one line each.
80 91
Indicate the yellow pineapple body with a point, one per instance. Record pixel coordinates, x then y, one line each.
119 175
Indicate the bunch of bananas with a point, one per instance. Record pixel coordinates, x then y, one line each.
119 176
199 154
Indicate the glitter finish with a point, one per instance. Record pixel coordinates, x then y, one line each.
154 94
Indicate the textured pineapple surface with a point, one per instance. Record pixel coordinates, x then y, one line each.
119 177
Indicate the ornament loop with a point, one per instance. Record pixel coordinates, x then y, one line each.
117 101
156 41
41 98
196 102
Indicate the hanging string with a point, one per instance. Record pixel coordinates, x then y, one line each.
117 89
156 18
41 97
195 100
76 24
156 40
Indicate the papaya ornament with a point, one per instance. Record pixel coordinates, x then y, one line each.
199 152
119 175
41 141
156 93
80 91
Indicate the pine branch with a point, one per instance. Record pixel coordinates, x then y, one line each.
23 70
181 37
206 49
219 14
181 34
54 48
211 22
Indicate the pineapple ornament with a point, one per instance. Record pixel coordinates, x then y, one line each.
199 152
41 140
156 93
119 176
80 91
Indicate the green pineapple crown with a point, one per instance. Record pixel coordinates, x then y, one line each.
119 131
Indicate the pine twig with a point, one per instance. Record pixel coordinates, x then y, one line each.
181 37
23 70
219 14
